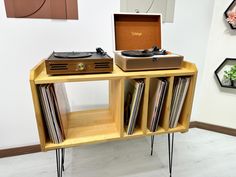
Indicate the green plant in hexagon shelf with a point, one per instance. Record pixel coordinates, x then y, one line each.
229 78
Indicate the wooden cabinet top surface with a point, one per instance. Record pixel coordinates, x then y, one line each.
39 76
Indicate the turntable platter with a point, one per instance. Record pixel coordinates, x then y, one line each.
144 53
137 53
72 54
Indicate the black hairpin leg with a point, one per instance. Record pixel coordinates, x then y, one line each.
63 159
152 142
60 154
171 151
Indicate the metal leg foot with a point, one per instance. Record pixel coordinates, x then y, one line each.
63 159
60 161
152 142
171 151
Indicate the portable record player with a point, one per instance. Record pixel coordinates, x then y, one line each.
79 62
135 35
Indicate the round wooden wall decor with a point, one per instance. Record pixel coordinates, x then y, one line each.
54 9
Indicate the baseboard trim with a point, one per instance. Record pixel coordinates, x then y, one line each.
213 128
194 124
19 151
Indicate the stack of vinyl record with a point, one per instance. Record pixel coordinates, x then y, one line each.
158 89
181 85
133 95
54 105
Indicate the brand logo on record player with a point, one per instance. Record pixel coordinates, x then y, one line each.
138 34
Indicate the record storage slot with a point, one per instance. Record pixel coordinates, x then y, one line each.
162 122
129 97
185 112
86 126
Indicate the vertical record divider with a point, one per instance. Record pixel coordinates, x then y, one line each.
116 103
145 105
121 104
111 98
167 107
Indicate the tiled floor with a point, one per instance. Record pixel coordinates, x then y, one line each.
197 153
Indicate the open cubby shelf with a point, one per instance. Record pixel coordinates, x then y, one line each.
102 125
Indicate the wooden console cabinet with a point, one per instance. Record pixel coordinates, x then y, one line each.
102 125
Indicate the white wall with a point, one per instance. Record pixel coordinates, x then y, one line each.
23 42
217 105
188 35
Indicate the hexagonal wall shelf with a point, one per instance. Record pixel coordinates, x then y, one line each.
230 14
225 66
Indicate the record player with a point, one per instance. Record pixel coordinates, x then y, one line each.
79 62
138 43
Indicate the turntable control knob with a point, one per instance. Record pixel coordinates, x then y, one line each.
81 66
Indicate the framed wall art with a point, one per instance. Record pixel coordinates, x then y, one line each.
53 9
230 15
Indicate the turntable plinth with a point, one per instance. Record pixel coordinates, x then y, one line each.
78 63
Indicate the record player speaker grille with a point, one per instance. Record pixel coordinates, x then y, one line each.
102 65
58 66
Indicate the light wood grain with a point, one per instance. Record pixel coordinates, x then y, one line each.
89 118
179 128
122 104
116 97
38 114
92 126
160 130
42 77
137 132
145 105
94 137
167 106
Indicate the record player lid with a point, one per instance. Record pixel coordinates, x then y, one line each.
137 31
